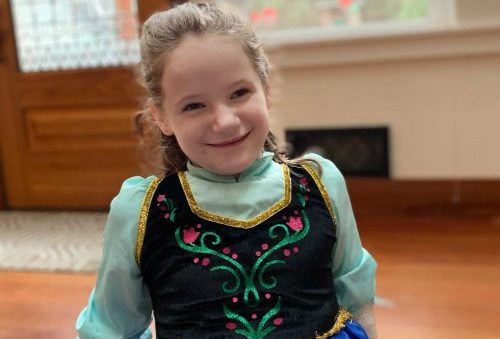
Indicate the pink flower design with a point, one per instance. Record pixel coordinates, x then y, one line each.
161 197
303 181
190 235
295 223
231 326
278 321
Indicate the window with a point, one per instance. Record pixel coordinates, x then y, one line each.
289 20
72 34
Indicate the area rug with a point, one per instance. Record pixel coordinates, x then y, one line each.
51 241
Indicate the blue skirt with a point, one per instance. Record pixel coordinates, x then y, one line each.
344 328
352 330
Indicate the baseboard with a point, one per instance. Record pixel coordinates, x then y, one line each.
416 197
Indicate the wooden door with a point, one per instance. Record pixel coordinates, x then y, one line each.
67 137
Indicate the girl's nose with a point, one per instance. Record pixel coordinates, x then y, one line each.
224 118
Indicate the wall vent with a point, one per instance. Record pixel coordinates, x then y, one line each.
355 151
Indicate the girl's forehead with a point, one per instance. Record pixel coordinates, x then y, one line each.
202 60
194 49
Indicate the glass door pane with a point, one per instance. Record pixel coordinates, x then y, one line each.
75 34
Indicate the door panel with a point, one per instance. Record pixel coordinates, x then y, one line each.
67 137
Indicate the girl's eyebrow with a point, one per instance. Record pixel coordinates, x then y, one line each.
186 98
194 96
237 82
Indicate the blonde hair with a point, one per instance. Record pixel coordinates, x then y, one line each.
160 35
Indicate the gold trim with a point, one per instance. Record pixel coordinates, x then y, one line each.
342 316
324 193
196 209
143 218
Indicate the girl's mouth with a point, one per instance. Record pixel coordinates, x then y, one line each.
231 142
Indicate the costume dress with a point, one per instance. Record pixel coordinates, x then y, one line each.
273 254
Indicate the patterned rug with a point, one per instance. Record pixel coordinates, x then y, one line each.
51 241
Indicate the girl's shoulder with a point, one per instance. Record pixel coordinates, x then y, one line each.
328 171
132 193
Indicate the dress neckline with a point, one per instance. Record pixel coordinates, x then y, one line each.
254 171
224 220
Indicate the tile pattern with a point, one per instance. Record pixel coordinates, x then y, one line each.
52 241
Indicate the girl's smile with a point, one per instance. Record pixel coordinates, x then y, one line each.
231 142
214 103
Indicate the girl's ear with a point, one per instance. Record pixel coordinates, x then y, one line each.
160 119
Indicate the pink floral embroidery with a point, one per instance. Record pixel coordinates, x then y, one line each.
190 235
295 223
161 197
278 321
303 181
231 326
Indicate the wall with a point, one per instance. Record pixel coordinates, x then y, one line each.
438 90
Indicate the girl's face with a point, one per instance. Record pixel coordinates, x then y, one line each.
214 104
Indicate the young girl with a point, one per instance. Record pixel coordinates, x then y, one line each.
233 240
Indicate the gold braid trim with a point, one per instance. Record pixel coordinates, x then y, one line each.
196 209
321 187
342 316
143 218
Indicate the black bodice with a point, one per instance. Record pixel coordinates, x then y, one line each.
211 280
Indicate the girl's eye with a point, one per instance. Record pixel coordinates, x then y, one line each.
239 93
193 106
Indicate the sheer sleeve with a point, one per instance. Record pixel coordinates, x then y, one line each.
353 267
119 305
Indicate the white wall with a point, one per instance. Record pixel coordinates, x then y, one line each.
439 93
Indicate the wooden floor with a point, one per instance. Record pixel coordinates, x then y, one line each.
438 278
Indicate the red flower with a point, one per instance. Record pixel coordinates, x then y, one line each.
161 197
269 12
295 223
303 181
345 3
231 326
190 235
278 321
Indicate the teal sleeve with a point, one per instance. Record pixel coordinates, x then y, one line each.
119 305
353 267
